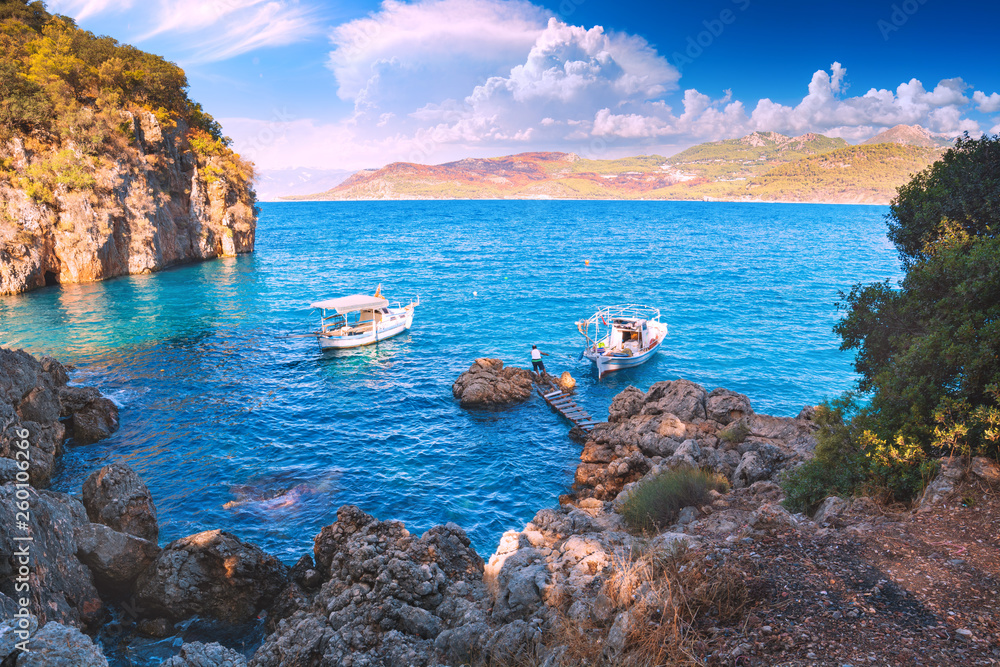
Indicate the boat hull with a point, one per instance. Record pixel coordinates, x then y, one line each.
383 331
606 363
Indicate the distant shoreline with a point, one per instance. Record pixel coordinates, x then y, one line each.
554 199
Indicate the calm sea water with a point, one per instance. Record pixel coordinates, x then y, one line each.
222 411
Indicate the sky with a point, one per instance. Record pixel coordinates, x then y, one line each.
359 84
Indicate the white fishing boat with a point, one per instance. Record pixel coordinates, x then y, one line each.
361 319
622 336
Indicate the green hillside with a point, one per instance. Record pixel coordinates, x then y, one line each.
865 173
760 166
758 147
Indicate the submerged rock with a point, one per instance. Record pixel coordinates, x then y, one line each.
211 574
116 497
488 383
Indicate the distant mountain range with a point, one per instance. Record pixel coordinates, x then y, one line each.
762 166
273 184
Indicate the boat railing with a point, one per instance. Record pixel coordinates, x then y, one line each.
626 311
398 302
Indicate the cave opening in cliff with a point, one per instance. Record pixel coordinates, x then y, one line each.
51 278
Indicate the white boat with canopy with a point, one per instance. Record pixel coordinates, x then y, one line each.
622 336
361 319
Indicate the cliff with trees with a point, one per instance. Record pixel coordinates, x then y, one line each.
107 168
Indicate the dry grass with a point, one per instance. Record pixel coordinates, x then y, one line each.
664 593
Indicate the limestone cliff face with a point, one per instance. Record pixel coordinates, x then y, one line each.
155 202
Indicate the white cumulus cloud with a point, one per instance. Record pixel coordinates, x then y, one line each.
986 103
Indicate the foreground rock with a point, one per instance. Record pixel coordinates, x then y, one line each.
92 417
61 588
34 397
953 473
197 654
115 559
680 424
212 574
389 598
116 497
57 645
488 383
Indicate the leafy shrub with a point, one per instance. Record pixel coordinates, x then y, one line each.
655 503
735 433
838 466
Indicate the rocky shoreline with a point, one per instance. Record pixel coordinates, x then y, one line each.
574 586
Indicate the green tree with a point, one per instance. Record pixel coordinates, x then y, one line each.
32 14
23 104
927 350
962 187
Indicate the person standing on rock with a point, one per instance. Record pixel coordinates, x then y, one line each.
536 359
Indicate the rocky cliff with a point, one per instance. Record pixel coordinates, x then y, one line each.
154 203
107 168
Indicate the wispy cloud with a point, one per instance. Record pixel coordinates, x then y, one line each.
82 9
209 30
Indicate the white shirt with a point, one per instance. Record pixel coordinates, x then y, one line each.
535 354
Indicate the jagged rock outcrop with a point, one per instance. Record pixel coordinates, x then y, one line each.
61 588
955 470
152 205
91 417
116 497
680 424
34 397
198 654
58 645
115 559
212 574
488 383
389 598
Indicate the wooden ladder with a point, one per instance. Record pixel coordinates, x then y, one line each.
563 403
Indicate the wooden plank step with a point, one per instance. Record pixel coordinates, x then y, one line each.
551 393
589 422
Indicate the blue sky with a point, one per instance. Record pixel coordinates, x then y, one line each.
347 85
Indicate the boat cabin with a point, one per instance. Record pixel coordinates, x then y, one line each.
357 313
628 334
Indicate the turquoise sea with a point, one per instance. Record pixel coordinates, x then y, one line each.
235 425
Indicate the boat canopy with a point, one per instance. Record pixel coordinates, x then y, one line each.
352 303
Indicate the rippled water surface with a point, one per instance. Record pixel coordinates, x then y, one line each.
234 424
